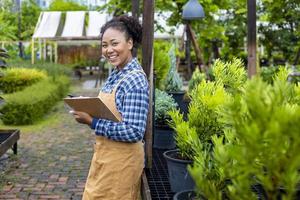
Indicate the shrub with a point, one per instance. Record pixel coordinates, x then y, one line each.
232 75
163 104
206 99
197 77
16 79
52 69
260 145
267 73
173 82
32 103
161 62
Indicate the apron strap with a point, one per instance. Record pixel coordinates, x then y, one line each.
131 72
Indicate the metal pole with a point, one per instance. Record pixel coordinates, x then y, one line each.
251 37
19 28
188 51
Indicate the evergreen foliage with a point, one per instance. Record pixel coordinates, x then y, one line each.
232 75
197 78
161 62
16 79
259 147
163 104
32 103
173 82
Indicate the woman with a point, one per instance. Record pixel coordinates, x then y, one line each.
118 158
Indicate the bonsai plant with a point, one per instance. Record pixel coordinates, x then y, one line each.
163 134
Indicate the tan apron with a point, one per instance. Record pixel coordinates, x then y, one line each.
116 167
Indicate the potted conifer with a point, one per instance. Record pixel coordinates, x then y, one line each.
257 157
194 136
163 134
173 83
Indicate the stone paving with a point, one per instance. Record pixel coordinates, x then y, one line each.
52 163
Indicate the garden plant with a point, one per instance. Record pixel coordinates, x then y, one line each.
260 138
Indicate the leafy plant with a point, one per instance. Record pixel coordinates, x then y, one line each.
173 82
31 104
16 79
51 68
262 136
232 75
268 73
206 99
161 62
186 137
163 104
197 77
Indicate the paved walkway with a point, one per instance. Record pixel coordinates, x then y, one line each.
52 163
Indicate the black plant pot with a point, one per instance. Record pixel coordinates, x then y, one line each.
185 195
262 195
163 137
179 176
179 99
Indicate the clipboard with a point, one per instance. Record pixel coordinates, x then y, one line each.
94 106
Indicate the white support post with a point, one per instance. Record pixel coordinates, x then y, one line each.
32 51
45 50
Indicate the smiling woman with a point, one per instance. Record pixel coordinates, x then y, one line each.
118 159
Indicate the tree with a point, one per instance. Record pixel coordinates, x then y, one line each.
280 28
29 17
8 21
65 5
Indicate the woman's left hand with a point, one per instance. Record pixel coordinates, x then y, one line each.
82 117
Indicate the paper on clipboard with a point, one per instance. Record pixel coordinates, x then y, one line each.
94 106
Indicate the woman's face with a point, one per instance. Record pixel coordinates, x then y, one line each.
115 47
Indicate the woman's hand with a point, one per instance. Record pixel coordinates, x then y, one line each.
82 117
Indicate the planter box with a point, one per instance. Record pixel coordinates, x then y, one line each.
8 139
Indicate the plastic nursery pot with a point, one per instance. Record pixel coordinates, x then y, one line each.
179 176
185 195
179 99
163 137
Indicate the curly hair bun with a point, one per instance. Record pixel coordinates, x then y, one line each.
133 26
127 24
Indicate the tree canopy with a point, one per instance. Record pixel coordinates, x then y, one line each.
65 5
225 25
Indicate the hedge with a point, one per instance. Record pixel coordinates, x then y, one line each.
16 79
32 103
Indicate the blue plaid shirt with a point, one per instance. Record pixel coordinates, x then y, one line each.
132 101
